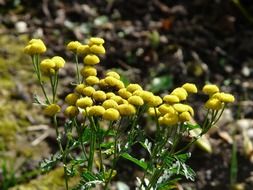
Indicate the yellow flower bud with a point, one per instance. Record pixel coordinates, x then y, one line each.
166 108
88 91
96 40
97 49
110 104
83 49
214 104
181 93
73 45
126 109
71 111
113 74
146 95
119 84
96 111
111 114
103 84
71 98
111 81
135 100
138 92
168 119
117 99
184 116
92 80
181 107
47 66
224 97
210 89
124 93
91 59
88 71
133 87
109 95
151 112
52 109
155 101
84 102
170 99
190 110
35 46
79 88
99 95
59 62
190 87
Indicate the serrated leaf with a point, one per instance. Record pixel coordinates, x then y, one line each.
140 163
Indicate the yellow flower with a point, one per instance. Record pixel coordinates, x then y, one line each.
92 80
96 111
181 93
155 101
210 89
73 45
96 40
224 97
151 112
111 81
181 107
117 99
99 95
111 114
103 84
83 49
190 87
126 109
35 46
72 98
171 99
135 100
79 88
91 59
88 91
109 95
133 87
88 71
59 62
110 104
185 116
124 93
97 49
84 102
168 119
166 108
113 74
52 109
47 66
214 104
145 95
119 85
71 111
190 110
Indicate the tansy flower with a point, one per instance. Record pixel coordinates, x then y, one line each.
146 95
87 71
35 46
190 87
88 91
52 109
83 49
47 66
124 93
181 93
166 108
92 80
71 111
96 40
155 101
79 88
99 95
126 109
133 87
109 95
91 59
111 114
59 62
96 111
110 104
117 99
168 119
151 112
180 107
135 100
84 102
97 49
113 74
171 99
71 98
73 45
224 97
214 104
184 116
210 89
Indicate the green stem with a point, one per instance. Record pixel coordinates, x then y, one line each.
92 144
79 133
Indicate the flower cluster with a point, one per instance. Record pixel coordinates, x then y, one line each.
35 46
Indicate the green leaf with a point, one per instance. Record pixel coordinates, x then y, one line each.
161 83
191 126
140 163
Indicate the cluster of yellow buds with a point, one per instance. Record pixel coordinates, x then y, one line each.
217 99
50 66
35 46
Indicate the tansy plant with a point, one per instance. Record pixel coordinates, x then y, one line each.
104 121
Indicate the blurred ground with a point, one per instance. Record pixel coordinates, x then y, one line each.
158 43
